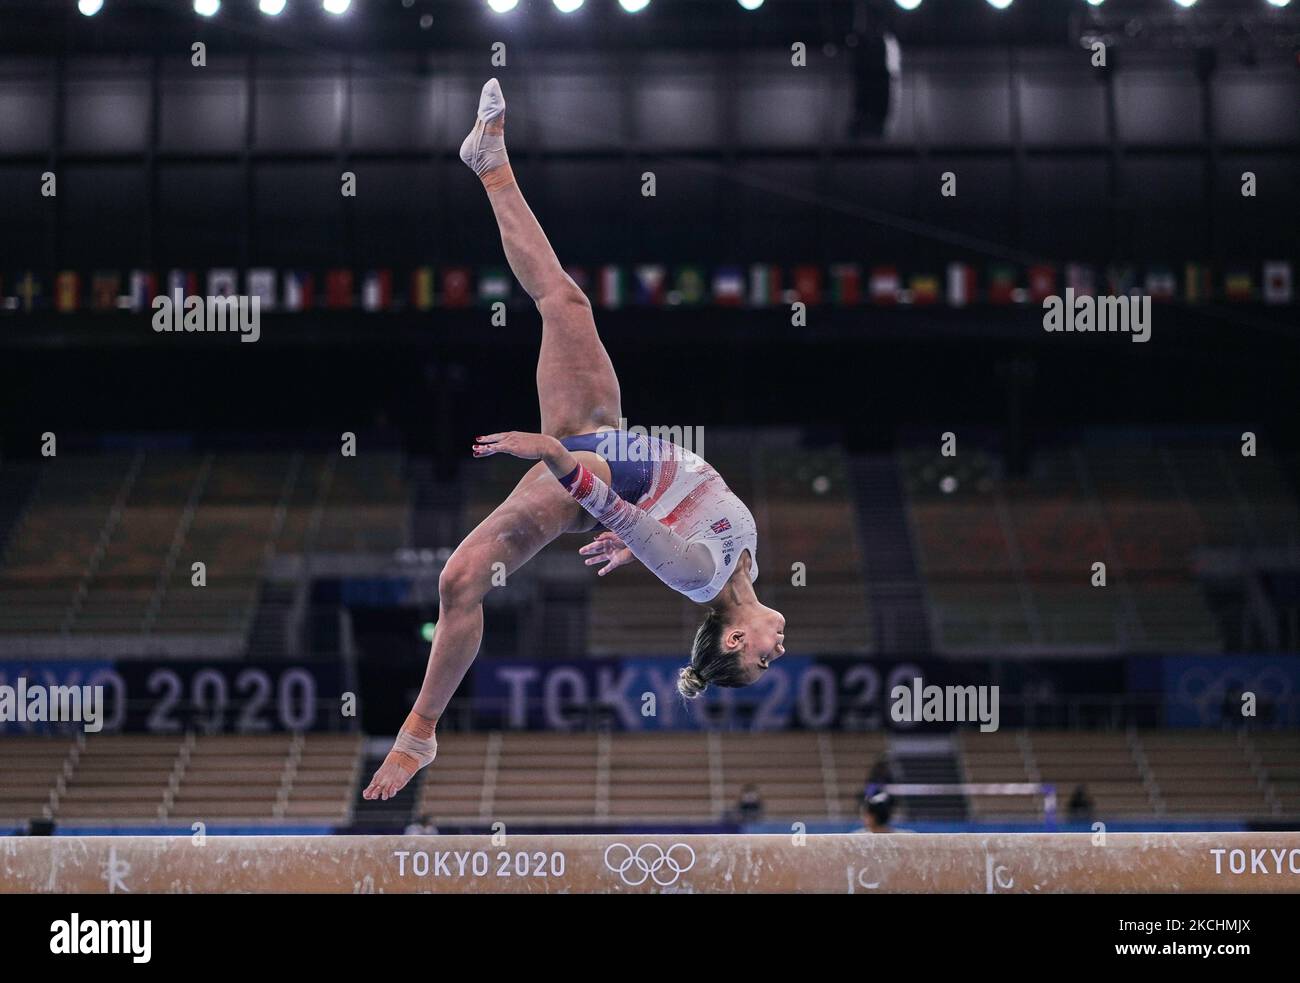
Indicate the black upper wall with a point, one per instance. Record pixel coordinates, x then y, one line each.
162 164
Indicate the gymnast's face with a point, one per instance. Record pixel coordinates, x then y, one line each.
759 640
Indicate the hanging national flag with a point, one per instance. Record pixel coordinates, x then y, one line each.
728 286
961 284
143 289
261 284
884 285
1197 285
764 285
649 284
1121 280
456 290
924 288
299 290
1042 282
1081 278
377 290
1277 282
1238 284
104 290
1002 284
493 285
338 289
808 284
422 288
223 282
609 289
186 281
846 284
67 291
1162 285
29 290
689 286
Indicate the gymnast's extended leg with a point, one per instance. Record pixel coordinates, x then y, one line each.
576 385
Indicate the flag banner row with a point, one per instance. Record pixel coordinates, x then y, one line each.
757 285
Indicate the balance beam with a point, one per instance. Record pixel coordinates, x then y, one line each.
964 863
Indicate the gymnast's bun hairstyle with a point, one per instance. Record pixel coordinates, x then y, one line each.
689 683
710 662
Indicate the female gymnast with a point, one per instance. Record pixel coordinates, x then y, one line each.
658 503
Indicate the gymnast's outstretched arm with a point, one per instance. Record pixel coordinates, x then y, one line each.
680 564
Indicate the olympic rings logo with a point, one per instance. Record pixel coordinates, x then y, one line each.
649 862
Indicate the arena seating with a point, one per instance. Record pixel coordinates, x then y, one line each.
1200 774
806 516
367 509
30 770
1104 763
999 757
151 780
107 542
54 540
591 779
1277 757
264 778
577 779
1205 773
1008 560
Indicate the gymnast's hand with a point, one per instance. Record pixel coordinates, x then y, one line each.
609 550
516 443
